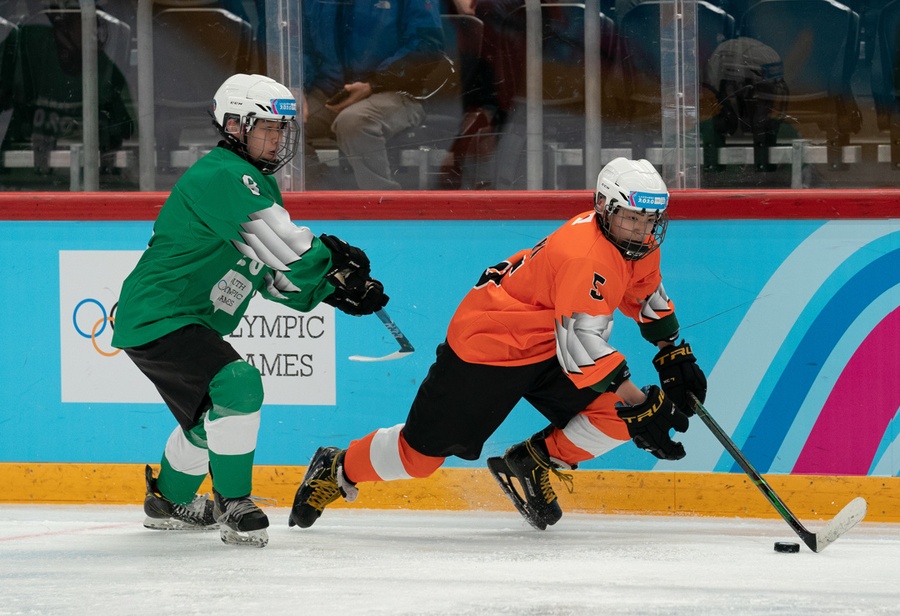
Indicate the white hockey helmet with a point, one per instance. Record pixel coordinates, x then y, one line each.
631 186
248 98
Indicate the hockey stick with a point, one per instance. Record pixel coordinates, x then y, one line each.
847 518
405 346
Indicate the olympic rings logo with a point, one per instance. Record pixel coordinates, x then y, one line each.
98 326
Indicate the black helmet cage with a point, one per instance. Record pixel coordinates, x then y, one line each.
632 250
290 140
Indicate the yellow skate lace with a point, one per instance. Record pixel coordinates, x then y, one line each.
325 492
546 488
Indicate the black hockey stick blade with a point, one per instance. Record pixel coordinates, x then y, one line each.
501 473
847 518
406 346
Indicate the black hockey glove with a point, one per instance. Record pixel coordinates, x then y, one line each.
680 374
360 300
649 424
350 266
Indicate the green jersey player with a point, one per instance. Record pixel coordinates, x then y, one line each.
221 236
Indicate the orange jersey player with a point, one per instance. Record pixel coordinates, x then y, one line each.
571 282
537 327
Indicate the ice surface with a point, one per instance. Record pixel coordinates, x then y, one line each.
99 560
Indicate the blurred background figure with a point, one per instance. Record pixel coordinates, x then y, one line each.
362 64
42 79
482 111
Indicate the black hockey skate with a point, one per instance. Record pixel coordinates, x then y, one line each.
323 483
531 465
163 514
241 522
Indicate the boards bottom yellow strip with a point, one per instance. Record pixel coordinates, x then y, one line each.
657 493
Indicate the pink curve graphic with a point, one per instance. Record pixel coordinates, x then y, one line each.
856 414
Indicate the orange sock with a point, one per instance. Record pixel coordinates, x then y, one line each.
387 451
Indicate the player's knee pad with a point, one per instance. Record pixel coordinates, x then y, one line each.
237 388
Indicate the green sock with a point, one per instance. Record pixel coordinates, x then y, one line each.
178 487
233 475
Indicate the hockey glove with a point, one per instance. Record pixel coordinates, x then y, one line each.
680 374
649 424
360 300
350 266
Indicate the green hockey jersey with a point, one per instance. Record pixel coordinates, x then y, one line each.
222 235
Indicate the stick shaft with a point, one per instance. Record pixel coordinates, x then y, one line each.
808 537
405 345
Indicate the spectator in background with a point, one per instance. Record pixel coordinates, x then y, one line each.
359 61
7 65
45 88
479 80
489 88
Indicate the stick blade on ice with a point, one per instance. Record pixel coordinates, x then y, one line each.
848 517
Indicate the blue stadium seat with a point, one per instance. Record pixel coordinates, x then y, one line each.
7 66
886 76
426 145
194 51
639 31
563 89
818 42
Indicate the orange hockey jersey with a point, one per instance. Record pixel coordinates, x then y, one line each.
559 298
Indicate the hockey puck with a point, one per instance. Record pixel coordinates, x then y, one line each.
788 547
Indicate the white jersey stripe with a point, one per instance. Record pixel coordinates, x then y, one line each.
582 339
298 238
184 456
273 239
232 435
584 435
656 303
262 251
385 454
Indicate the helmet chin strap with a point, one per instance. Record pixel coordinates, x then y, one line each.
239 147
237 143
228 137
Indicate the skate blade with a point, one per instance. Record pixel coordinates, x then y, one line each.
501 473
172 524
250 539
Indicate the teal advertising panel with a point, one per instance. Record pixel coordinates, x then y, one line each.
796 323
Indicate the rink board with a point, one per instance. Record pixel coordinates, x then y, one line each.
659 493
794 317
